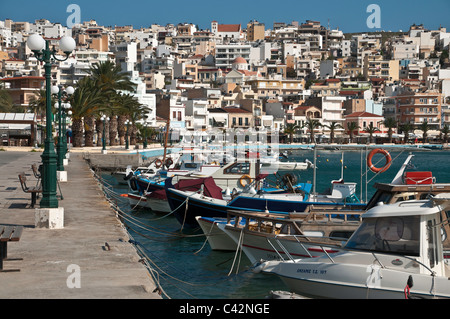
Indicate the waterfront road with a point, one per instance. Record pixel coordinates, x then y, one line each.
90 258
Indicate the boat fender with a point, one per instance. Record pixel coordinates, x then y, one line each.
258 268
169 162
387 157
133 184
245 178
128 176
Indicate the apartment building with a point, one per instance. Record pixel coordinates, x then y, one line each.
23 89
227 53
417 107
375 66
276 87
255 31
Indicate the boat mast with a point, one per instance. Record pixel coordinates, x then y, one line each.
166 139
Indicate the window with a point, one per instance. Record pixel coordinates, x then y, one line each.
397 235
240 121
238 168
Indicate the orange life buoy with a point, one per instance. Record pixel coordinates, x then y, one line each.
245 178
158 163
386 166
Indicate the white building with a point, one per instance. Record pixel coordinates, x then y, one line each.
126 55
227 53
197 114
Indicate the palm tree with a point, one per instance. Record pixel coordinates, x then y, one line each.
333 126
445 130
127 107
290 130
371 130
390 123
312 125
110 77
424 127
86 102
406 128
6 101
351 128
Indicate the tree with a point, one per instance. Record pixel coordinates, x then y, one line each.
424 127
290 130
390 123
371 130
445 131
333 126
110 79
86 102
406 128
6 101
312 125
351 128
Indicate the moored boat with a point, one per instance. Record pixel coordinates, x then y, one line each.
397 252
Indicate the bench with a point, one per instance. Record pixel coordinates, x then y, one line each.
38 174
30 190
8 234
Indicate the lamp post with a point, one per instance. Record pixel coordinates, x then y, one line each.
61 147
127 144
145 125
104 119
145 135
43 53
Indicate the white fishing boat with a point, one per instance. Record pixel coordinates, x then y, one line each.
265 236
217 239
397 252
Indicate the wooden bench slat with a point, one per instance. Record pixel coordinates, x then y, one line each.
17 233
7 232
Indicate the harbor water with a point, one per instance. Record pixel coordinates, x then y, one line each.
187 268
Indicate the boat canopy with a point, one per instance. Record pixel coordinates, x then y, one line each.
210 188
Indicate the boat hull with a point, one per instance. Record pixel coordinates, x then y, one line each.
209 207
355 281
258 247
217 239
155 205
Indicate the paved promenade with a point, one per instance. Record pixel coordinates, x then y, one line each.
52 259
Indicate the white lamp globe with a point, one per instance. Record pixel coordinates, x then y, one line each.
35 42
67 44
70 90
55 89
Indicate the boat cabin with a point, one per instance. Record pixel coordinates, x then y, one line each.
413 229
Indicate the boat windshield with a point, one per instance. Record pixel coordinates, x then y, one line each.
396 235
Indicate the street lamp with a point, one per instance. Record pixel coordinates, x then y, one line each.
43 53
61 147
104 119
127 144
145 135
145 125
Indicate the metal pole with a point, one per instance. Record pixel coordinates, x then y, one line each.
59 147
49 160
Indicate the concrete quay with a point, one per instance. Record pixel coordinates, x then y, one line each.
90 258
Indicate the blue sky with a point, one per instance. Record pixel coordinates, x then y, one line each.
348 15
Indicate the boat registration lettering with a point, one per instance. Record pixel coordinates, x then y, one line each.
311 271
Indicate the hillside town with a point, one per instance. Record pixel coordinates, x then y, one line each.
311 83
